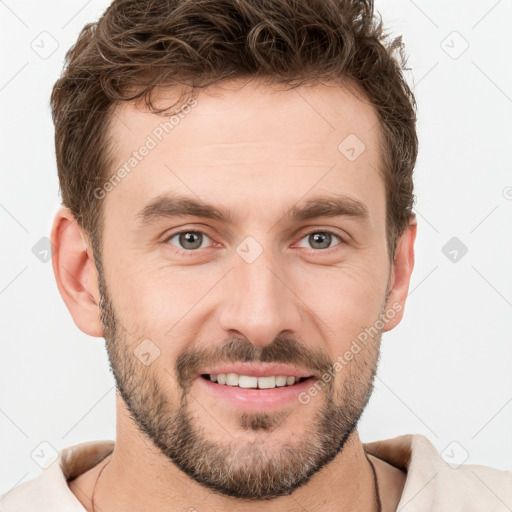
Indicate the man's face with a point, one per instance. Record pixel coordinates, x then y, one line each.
262 294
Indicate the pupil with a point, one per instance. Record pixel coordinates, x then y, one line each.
317 238
188 238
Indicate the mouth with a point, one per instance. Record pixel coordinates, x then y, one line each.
255 387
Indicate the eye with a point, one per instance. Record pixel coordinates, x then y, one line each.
188 240
321 240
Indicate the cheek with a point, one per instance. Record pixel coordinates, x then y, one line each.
161 306
347 297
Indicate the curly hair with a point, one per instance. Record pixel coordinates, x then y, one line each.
138 46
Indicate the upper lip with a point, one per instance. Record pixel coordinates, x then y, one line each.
257 370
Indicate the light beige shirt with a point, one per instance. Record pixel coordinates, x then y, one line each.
431 485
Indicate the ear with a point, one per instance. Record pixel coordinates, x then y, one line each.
400 275
75 272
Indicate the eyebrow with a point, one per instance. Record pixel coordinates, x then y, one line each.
164 206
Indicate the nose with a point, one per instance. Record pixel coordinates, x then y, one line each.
258 300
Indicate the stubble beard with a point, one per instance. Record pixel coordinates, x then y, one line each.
253 470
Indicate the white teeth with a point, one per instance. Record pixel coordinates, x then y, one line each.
247 381
244 381
266 382
281 380
232 379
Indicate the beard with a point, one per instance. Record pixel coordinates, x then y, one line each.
260 468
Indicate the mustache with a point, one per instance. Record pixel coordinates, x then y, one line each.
233 350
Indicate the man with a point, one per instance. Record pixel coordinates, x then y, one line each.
237 224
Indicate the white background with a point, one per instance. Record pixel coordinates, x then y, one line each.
445 371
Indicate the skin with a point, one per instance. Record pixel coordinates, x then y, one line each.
257 151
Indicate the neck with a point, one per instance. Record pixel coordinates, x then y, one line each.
139 477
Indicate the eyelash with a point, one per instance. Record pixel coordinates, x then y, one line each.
191 252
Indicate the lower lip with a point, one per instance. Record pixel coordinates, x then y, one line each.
251 399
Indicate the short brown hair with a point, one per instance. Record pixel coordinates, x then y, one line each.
141 45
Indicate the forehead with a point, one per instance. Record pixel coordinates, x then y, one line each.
241 143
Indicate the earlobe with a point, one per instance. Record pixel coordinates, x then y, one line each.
75 272
401 275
